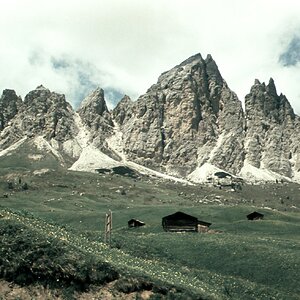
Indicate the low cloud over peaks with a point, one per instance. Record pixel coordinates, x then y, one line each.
291 55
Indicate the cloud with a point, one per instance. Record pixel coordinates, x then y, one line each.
291 55
123 46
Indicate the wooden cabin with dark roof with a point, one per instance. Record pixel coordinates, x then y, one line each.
181 222
135 223
255 216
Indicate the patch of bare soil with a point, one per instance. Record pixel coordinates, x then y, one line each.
12 291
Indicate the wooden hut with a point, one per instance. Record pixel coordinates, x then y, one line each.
255 216
135 223
180 221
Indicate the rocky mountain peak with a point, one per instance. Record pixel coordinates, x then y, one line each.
95 114
183 112
37 96
270 124
41 87
122 112
9 95
264 102
194 59
212 69
43 113
189 121
94 103
271 88
10 104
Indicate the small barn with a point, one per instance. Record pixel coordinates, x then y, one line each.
180 221
135 223
255 216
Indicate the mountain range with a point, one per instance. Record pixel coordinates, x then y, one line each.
188 126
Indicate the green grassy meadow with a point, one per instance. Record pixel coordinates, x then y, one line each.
239 259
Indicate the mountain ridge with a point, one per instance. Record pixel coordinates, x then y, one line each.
188 120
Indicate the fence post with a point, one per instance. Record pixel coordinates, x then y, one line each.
108 227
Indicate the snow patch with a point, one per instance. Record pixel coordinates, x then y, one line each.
115 142
217 146
147 171
91 159
296 177
201 174
73 147
13 147
84 135
253 174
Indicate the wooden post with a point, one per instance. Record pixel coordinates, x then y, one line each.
108 227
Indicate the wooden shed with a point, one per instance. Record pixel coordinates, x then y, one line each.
135 223
180 221
255 216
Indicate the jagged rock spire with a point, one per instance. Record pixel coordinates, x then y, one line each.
94 103
95 114
122 111
270 126
179 115
10 104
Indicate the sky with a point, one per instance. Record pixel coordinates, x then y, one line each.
122 46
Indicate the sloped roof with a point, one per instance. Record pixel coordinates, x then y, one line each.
180 215
255 214
137 221
204 223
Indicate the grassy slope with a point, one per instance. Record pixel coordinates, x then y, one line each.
251 260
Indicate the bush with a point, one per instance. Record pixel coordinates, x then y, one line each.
129 285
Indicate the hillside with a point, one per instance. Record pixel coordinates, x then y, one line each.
55 227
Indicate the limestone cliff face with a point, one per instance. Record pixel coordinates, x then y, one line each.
48 113
43 113
95 115
181 121
188 120
272 130
123 112
10 104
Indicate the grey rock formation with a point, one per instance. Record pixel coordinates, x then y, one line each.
272 130
188 121
48 113
122 112
42 113
10 104
95 115
176 125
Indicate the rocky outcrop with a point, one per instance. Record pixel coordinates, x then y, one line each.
43 113
188 124
48 113
95 115
272 130
122 112
10 104
181 121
